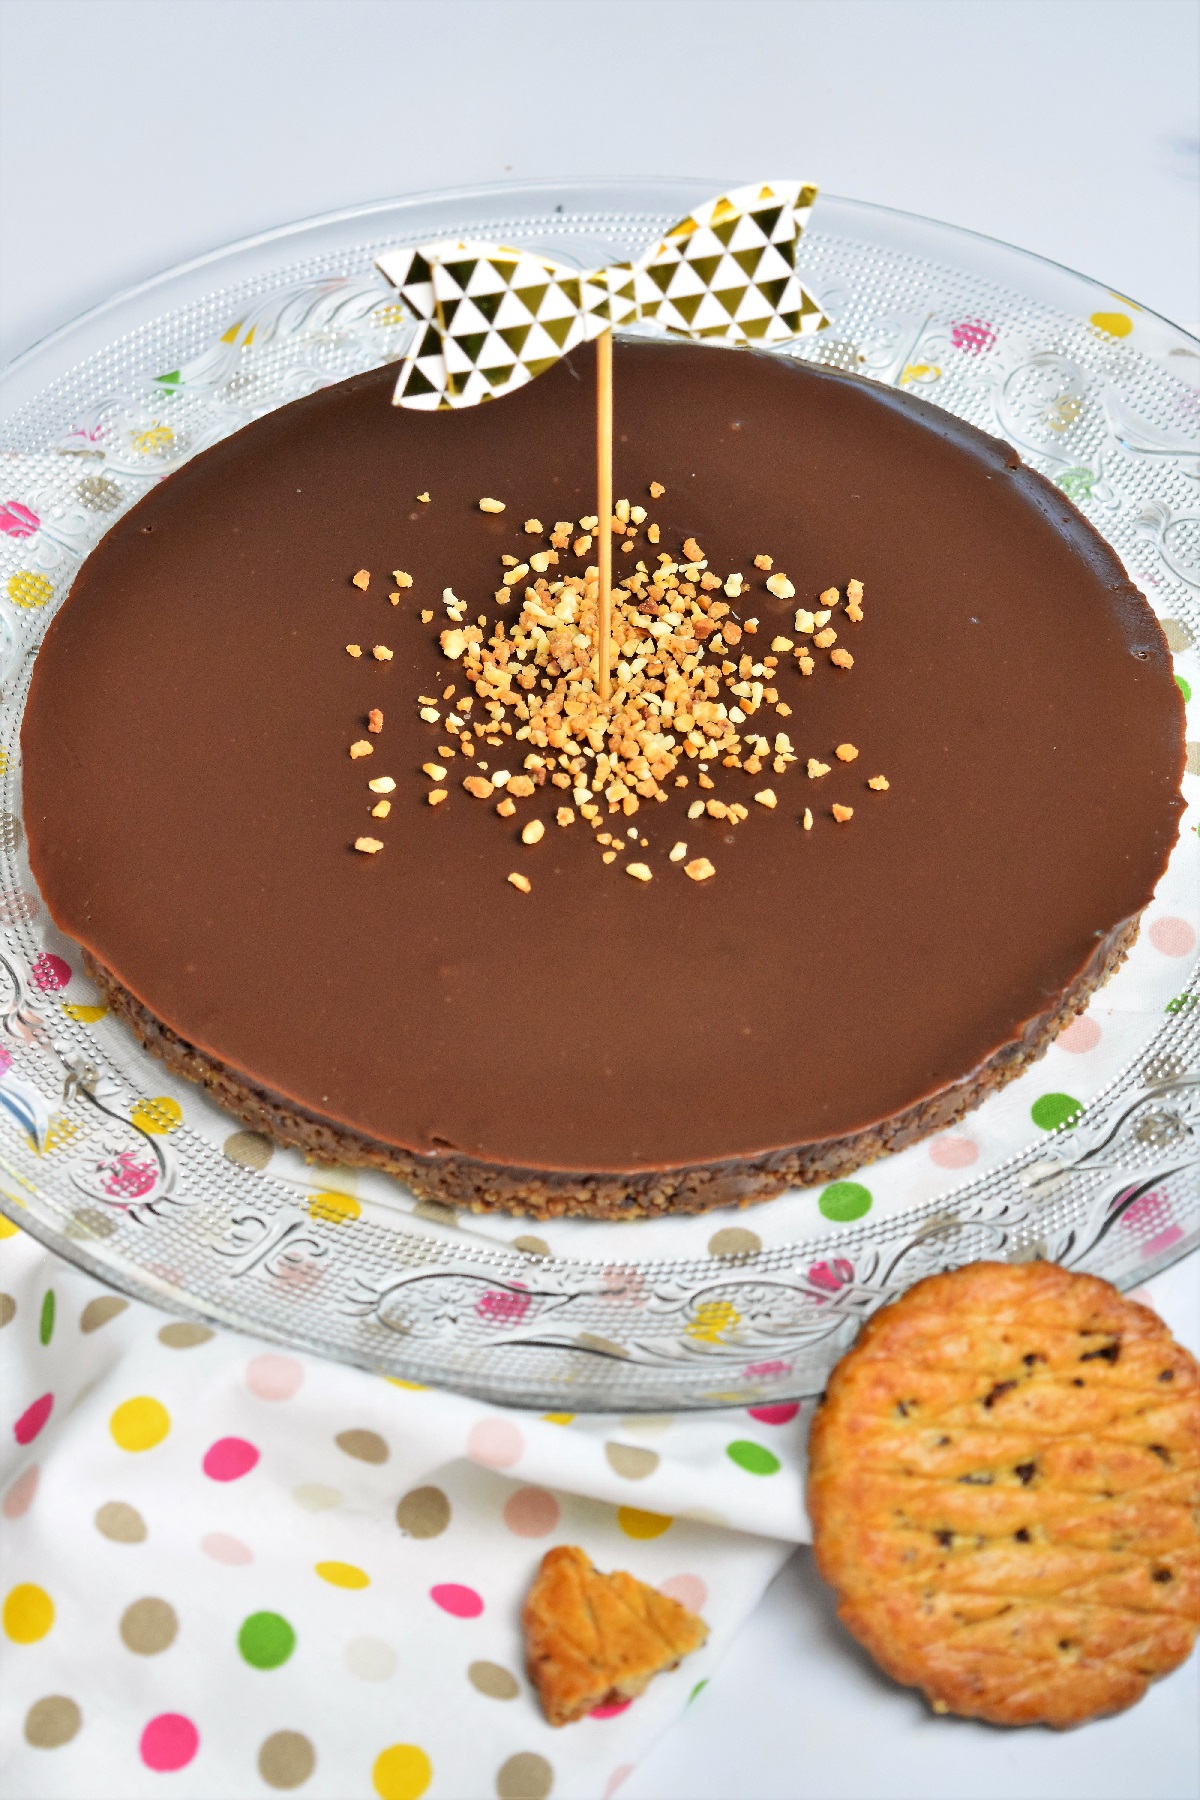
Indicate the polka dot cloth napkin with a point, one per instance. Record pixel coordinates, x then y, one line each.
226 1571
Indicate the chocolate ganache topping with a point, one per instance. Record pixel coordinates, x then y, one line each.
191 803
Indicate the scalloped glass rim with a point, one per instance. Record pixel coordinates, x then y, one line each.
783 1289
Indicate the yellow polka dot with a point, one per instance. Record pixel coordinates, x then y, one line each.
160 1115
401 1772
60 1131
1114 324
558 1418
414 1387
339 1574
712 1318
637 1524
7 1228
28 1613
29 589
156 438
84 1015
334 1209
139 1424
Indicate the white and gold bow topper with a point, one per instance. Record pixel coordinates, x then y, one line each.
496 317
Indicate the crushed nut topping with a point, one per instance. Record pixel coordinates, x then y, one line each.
764 562
353 649
677 852
435 796
368 845
382 784
362 580
424 499
401 578
506 809
520 881
841 659
766 797
639 870
780 586
381 653
880 783
845 753
533 832
808 818
842 813
374 719
657 490
381 809
491 506
362 748
434 771
479 786
565 815
817 769
699 869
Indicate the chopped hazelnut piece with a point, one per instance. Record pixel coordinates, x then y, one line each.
652 533
845 752
402 578
781 643
609 856
500 778
362 748
541 560
589 523
854 594
430 714
780 586
453 644
733 586
374 719
533 832
362 580
805 622
478 786
424 499
518 574
716 809
534 527
491 506
582 545
705 781
817 769
521 786
841 659
565 815
830 598
427 618
807 665
842 813
657 490
677 852
692 550
824 638
353 649
382 784
435 796
381 653
434 771
764 562
700 869
766 797
506 808
880 783
696 809
639 871
808 818
520 881
381 809
367 845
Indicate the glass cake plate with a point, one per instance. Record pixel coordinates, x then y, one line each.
1092 1157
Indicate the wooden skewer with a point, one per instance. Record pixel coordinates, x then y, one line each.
604 500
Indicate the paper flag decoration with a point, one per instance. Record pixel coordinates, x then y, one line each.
495 317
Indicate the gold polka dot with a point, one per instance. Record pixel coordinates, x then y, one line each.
98 1312
52 1721
184 1335
532 1246
424 1512
434 1211
286 1759
158 1116
123 1523
632 1461
364 1446
88 1223
525 1776
251 1151
149 1626
8 1309
734 1240
491 1679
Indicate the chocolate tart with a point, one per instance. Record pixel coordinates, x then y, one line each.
601 1046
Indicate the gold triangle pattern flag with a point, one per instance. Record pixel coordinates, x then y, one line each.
492 318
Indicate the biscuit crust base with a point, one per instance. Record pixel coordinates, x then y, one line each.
1004 1486
463 1182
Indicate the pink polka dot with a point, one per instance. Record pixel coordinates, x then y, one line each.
953 1152
169 1742
460 1602
531 1512
775 1415
19 1497
689 1590
32 1419
229 1459
1174 937
1080 1036
756 1371
50 972
274 1377
496 1443
619 1774
225 1549
610 1711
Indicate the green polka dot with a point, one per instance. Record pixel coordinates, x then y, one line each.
845 1200
699 1687
1049 1110
46 1327
754 1458
1185 688
266 1640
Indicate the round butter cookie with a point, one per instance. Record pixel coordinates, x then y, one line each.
1004 1486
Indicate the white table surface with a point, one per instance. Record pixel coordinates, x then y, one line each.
137 133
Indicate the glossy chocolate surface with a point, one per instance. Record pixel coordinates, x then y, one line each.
190 801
